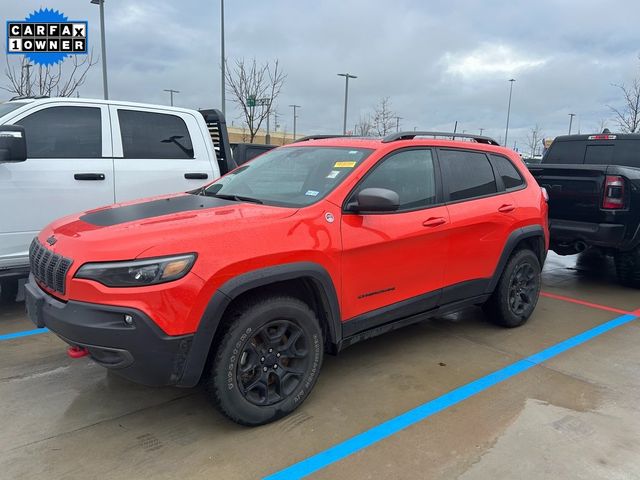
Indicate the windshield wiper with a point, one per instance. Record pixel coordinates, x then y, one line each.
235 198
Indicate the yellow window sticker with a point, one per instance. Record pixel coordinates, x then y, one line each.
344 165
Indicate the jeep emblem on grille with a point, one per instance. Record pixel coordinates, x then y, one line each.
51 240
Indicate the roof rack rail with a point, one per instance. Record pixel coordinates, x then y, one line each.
28 97
411 135
320 137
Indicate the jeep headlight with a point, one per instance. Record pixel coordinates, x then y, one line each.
138 273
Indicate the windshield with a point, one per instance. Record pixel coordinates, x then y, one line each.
9 107
292 176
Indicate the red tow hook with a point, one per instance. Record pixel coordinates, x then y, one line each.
77 352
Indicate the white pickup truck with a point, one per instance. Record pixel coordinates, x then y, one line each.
63 155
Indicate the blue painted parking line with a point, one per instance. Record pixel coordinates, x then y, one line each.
24 333
390 427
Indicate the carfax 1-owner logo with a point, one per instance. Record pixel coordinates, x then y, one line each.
46 37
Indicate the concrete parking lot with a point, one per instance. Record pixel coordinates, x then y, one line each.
571 413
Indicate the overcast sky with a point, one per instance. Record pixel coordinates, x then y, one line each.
438 61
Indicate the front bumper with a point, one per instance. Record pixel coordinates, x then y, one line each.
140 352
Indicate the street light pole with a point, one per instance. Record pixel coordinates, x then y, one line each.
506 132
571 115
171 92
295 117
222 59
346 76
103 47
481 130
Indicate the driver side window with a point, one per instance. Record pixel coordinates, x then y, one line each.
409 173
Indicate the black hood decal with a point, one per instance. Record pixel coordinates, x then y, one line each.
154 208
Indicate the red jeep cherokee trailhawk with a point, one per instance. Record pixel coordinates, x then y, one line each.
306 249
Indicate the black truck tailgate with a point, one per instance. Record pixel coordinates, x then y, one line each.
575 191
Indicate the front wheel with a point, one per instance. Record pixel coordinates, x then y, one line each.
517 292
267 360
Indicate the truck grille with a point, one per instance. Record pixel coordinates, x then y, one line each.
47 267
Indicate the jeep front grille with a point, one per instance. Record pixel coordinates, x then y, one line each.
47 267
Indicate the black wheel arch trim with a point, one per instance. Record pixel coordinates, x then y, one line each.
236 286
523 233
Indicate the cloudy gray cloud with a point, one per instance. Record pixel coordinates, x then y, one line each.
438 61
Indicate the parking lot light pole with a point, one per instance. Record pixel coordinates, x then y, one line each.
295 117
103 47
506 132
346 76
171 92
571 115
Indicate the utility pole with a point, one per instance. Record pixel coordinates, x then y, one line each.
571 115
28 66
506 132
481 130
171 92
346 76
295 117
104 48
398 123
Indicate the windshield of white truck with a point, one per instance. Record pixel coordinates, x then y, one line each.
9 107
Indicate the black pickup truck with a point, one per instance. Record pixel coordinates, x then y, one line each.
593 182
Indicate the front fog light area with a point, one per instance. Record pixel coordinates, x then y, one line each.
138 272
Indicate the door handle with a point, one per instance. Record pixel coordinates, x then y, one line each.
507 207
89 176
196 176
434 222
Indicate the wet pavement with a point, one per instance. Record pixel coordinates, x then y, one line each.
573 416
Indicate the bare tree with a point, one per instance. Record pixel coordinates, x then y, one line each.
364 127
534 139
254 88
628 115
383 117
61 80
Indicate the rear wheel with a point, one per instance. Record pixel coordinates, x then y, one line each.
267 360
517 292
8 290
628 267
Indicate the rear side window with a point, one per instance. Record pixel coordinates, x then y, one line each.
468 174
154 135
64 132
410 174
510 176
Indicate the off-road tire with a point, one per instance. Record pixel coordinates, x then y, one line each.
517 292
628 267
247 332
8 291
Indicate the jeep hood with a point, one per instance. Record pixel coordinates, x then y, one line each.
126 231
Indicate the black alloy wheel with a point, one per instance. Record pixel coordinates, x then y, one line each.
273 363
266 359
523 289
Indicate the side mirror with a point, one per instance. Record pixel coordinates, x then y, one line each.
13 144
376 200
